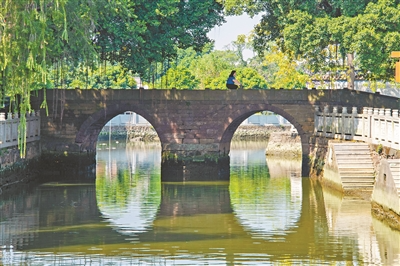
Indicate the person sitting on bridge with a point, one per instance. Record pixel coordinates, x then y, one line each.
232 83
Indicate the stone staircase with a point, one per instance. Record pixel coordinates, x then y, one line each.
394 165
355 166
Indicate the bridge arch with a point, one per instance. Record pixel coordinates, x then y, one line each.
244 113
89 130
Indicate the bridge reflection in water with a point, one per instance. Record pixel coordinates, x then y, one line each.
266 213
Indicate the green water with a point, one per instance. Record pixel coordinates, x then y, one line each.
266 215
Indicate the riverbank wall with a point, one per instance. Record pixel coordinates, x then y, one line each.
147 133
284 144
16 170
386 194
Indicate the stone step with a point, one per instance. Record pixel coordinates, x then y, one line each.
355 163
352 169
355 155
358 179
355 144
358 175
358 184
356 148
343 152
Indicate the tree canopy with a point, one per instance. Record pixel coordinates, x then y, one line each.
329 33
140 32
41 39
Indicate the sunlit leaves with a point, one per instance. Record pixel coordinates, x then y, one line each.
367 29
286 74
178 77
104 77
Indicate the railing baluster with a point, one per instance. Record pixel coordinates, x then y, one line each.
9 128
374 125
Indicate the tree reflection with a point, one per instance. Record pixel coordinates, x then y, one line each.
265 206
128 193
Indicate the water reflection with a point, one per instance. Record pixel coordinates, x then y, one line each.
128 186
265 215
350 217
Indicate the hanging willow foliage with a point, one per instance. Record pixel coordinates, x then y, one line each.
24 37
35 37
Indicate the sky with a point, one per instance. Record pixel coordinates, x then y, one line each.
227 33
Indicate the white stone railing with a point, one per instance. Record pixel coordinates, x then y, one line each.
9 128
374 125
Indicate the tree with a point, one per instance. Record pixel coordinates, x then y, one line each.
363 30
180 78
283 71
138 33
210 66
34 35
105 77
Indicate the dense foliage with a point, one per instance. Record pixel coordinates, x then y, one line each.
140 32
329 34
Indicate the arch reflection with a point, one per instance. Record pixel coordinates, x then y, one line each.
127 190
268 204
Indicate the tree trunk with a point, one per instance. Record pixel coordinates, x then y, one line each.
351 75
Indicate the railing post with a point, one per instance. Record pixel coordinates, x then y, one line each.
317 118
9 128
335 122
14 130
354 122
396 128
345 122
369 124
382 124
2 129
325 120
364 120
375 127
389 125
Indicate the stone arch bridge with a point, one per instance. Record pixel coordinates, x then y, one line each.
195 127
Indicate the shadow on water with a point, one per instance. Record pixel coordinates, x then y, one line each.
265 213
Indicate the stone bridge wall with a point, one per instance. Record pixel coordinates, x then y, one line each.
193 125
